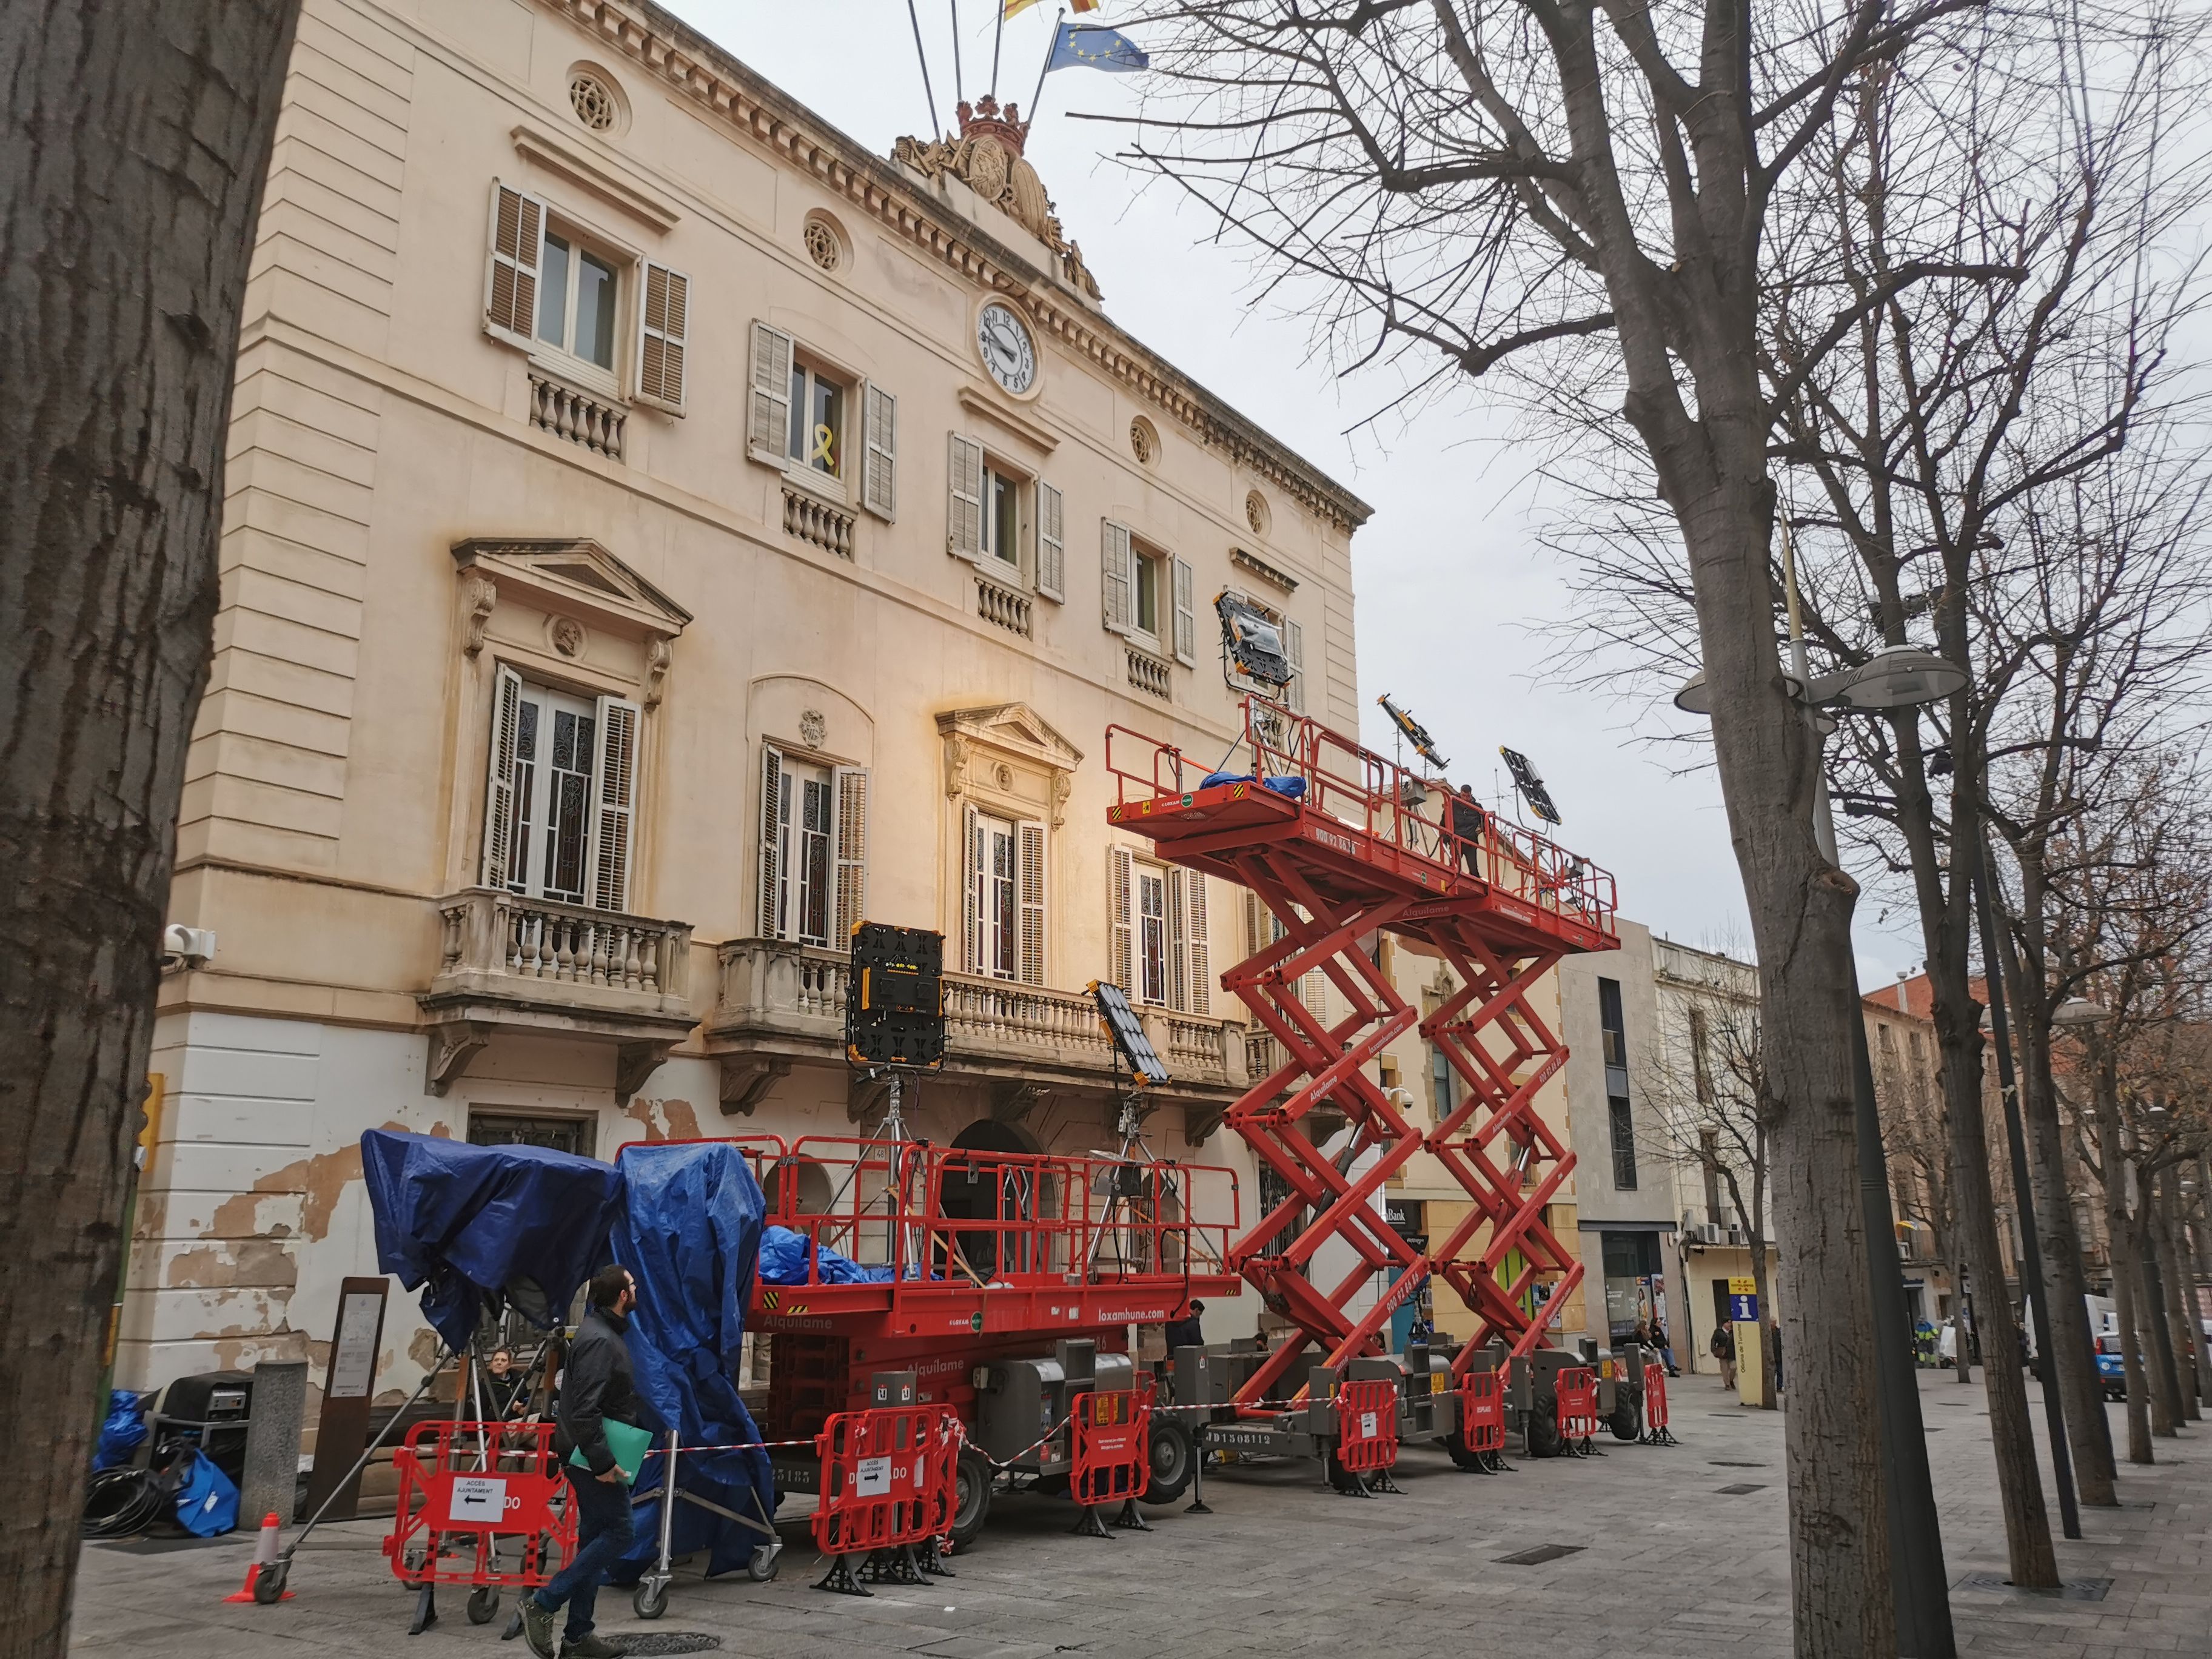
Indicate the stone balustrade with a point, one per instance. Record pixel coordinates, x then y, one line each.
820 524
581 417
1004 607
495 941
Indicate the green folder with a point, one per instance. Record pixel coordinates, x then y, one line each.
628 1442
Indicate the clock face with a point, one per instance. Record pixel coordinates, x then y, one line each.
1008 351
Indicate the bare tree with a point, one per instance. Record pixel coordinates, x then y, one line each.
1916 1145
1708 1086
137 137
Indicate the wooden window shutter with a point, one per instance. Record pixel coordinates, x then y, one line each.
771 843
1178 945
1196 943
663 327
971 899
879 455
1117 576
1186 617
1120 881
769 424
1052 543
1030 834
1294 647
615 814
963 511
499 790
851 852
518 232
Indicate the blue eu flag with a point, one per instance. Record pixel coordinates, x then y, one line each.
1087 46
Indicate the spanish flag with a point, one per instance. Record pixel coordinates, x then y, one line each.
1013 6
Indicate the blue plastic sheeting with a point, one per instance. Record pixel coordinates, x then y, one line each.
783 1261
691 1232
124 1431
206 1502
1292 788
468 1225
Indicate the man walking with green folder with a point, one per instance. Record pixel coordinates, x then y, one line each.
598 1399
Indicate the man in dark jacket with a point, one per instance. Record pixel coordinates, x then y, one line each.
1469 821
596 1387
1189 1331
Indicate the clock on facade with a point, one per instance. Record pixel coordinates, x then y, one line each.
1008 351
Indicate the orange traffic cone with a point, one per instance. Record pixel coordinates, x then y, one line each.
264 1557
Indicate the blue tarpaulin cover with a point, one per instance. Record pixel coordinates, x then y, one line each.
783 1261
689 1231
468 1225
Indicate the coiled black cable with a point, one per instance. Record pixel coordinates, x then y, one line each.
122 1503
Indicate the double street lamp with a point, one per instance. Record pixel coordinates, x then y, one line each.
1897 676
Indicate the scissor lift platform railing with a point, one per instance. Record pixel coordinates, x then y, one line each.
1356 845
983 1243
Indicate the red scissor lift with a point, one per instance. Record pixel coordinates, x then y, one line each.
1367 846
1010 1282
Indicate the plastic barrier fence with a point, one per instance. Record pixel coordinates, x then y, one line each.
888 1482
1577 1389
1110 1445
467 1488
1367 1431
1482 1412
1655 1406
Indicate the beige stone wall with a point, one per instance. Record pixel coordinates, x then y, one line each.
336 786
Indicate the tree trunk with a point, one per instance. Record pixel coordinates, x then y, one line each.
2020 1486
1963 1333
1768 1391
137 137
2073 1344
2165 1384
2127 1281
2159 1208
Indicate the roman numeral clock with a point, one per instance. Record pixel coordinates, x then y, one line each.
1009 352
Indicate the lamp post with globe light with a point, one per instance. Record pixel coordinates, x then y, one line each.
1897 676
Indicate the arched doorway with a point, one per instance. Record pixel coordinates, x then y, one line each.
989 1177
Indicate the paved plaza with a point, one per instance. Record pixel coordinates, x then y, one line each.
1674 1551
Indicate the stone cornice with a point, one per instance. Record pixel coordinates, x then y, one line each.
695 67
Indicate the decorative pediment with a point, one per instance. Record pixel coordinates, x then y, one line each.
1015 726
578 576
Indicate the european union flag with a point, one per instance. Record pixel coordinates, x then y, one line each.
1087 46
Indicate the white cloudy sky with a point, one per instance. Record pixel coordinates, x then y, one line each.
1449 573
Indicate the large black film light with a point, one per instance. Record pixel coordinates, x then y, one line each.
895 1007
1530 785
1128 1033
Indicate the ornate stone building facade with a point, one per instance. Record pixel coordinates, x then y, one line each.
661 533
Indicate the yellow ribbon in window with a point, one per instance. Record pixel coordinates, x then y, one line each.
824 438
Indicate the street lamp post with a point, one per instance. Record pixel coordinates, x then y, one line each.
1897 676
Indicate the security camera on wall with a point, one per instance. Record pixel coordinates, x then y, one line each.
186 947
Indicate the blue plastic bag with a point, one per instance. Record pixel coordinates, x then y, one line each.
207 1503
123 1432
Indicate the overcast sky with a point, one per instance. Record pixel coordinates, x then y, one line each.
1448 574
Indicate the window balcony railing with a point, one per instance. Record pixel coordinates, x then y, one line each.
1004 606
790 999
581 417
809 519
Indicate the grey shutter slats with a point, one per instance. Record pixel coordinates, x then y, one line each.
1030 833
664 325
1121 879
1052 543
964 510
1294 647
879 451
1178 963
851 852
1195 936
971 896
768 432
499 790
770 915
1116 576
1186 616
615 803
518 230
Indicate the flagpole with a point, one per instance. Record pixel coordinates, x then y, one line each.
1044 71
998 39
953 7
934 131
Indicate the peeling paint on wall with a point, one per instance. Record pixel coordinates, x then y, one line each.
664 1119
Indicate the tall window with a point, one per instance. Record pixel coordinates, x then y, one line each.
1441 1093
559 804
817 421
1144 583
1623 1125
1152 933
576 300
1700 1063
1002 517
1003 897
813 844
1162 953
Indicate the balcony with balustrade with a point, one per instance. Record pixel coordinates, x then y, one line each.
781 1005
510 963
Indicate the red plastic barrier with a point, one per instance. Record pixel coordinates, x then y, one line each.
475 1484
1654 1396
1367 1425
1482 1412
887 1478
1110 1444
1577 1390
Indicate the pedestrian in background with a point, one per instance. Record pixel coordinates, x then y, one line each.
1666 1348
1774 1340
1189 1331
597 1388
1724 1348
